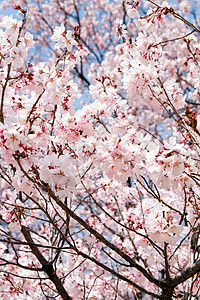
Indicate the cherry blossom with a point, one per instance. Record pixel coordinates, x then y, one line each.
99 200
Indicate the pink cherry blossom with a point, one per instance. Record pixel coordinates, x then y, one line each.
99 150
63 39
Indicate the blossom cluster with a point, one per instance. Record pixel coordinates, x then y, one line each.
100 201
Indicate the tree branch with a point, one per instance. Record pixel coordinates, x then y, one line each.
186 274
47 267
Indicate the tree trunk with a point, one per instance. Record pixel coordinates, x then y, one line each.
167 293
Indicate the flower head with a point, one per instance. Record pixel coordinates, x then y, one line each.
62 39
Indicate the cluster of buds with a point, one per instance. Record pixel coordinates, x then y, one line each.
18 7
